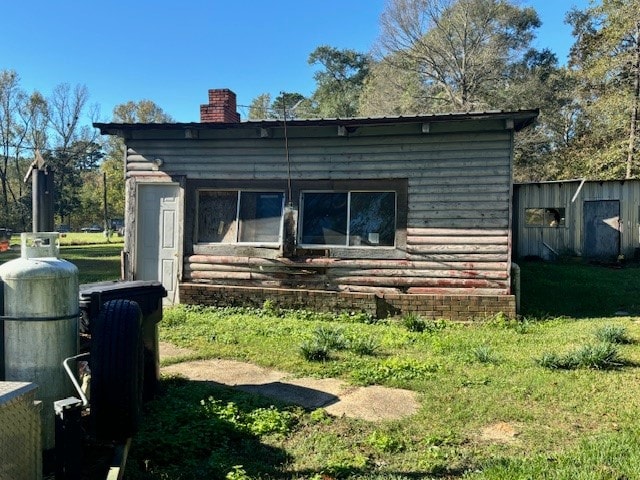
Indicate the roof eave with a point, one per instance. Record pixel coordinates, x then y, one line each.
521 119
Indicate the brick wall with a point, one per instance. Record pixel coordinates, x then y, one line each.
221 107
450 307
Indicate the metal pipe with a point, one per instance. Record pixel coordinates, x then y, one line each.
72 376
515 271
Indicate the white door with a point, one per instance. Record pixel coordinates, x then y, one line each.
157 236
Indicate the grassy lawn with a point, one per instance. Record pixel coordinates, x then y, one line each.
554 395
96 260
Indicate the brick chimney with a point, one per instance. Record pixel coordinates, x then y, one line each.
221 107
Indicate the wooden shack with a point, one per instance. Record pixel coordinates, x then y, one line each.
597 219
384 215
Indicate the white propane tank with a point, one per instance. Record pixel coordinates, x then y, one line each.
40 316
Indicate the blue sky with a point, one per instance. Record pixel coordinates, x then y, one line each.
172 52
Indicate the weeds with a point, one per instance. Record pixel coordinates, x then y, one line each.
394 369
484 354
259 422
413 322
600 356
384 442
364 346
613 334
314 351
333 338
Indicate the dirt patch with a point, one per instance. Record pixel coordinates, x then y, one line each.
501 432
373 403
168 350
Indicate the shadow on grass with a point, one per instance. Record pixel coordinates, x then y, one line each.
579 290
178 439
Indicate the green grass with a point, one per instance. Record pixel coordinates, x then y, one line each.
580 290
577 423
95 259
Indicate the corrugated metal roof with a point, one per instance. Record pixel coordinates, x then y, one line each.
521 119
577 180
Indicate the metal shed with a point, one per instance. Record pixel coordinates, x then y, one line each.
589 218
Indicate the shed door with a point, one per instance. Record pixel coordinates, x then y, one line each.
601 228
157 236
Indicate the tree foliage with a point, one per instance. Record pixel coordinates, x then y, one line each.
54 126
289 105
339 82
143 111
389 91
260 108
605 63
460 49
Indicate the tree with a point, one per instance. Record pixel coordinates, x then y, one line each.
23 125
461 49
260 107
294 104
143 111
539 150
74 145
339 82
390 91
605 61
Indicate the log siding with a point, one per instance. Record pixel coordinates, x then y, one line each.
455 213
453 194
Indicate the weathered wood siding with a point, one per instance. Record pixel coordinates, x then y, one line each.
454 236
568 239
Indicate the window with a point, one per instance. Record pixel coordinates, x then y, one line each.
348 218
544 217
239 216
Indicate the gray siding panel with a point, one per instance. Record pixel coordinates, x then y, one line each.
569 239
457 211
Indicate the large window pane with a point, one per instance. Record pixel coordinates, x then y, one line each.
372 218
217 213
324 220
260 216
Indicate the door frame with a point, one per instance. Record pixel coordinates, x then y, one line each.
134 235
585 225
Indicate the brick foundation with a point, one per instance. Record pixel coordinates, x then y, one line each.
449 307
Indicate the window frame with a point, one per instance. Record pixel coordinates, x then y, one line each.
347 244
545 211
239 192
